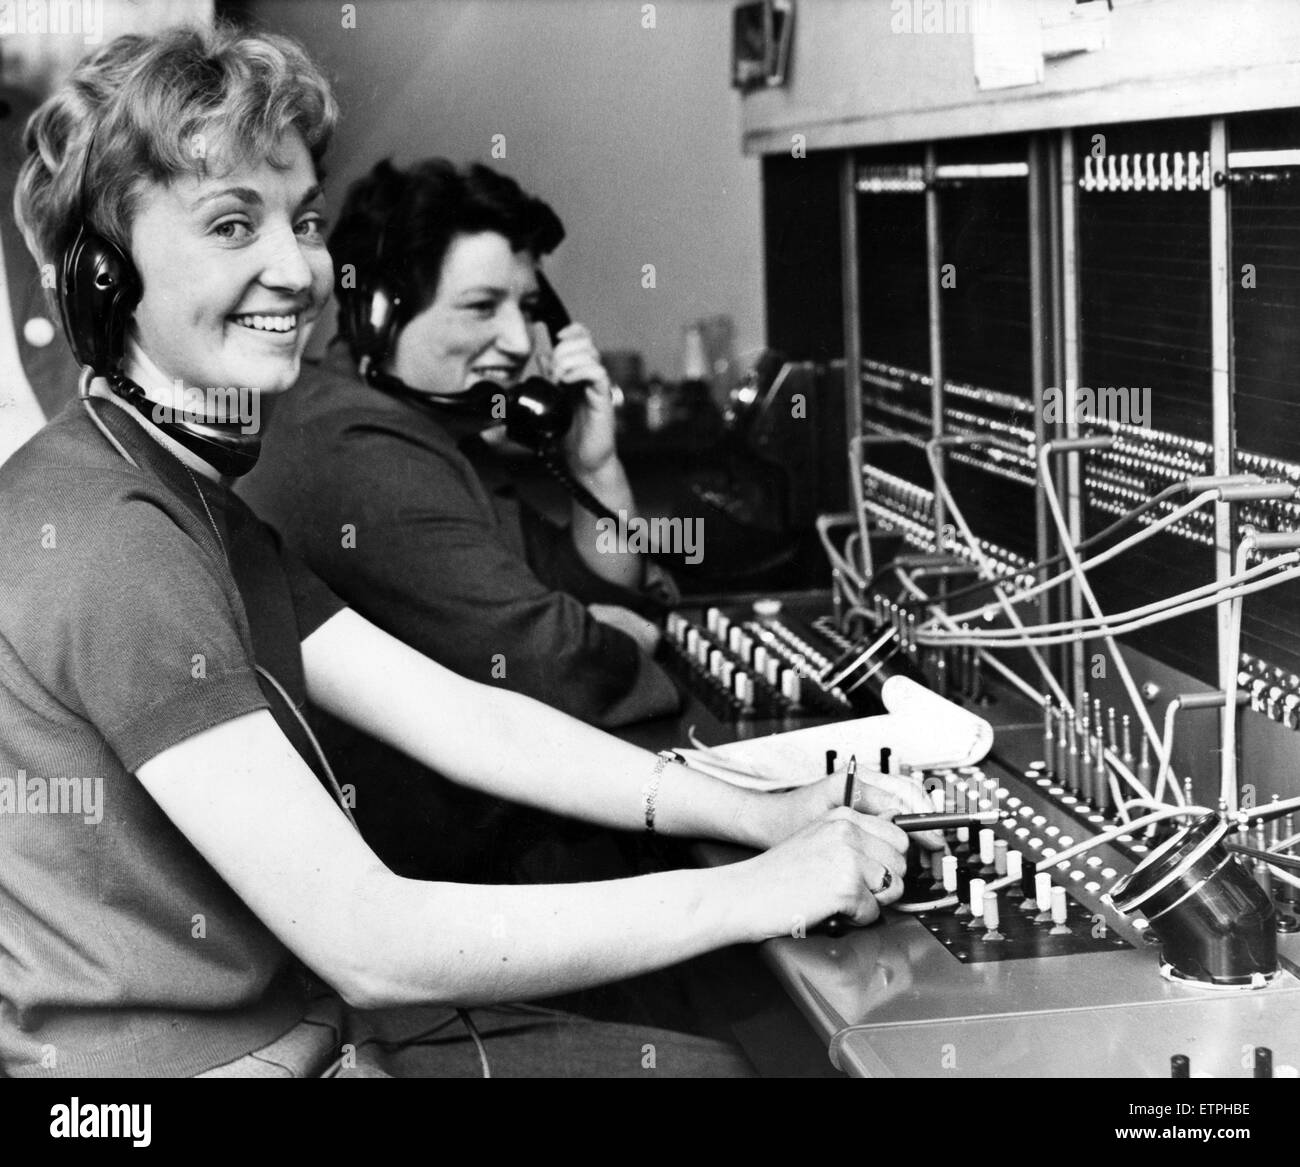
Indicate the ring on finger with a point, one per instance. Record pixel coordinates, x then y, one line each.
885 884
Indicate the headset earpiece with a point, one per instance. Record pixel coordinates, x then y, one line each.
373 317
99 288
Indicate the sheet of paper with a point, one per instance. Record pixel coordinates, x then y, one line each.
1007 43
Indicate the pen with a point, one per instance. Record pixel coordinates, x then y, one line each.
943 822
837 923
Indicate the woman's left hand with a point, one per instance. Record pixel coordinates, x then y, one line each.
590 444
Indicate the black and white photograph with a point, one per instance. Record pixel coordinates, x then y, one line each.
697 539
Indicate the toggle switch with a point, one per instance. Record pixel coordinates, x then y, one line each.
991 919
976 902
1060 913
1043 896
948 873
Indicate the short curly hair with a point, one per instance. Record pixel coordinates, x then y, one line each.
151 108
397 225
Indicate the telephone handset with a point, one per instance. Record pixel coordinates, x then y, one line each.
539 412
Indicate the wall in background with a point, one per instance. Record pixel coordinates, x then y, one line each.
632 133
869 71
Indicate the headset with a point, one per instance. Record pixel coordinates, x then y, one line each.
99 288
537 413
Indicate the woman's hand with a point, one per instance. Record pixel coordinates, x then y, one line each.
646 634
590 442
874 793
844 862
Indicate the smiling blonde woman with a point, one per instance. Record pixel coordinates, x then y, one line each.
223 916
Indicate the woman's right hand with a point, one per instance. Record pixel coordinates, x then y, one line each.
837 864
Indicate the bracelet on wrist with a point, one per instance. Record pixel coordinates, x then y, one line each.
650 791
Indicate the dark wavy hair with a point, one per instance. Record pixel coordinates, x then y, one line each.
396 226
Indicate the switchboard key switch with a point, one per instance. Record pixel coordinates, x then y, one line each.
1291 711
992 920
976 899
987 851
1180 1066
1207 179
1043 896
1139 179
1179 181
1153 180
962 892
1060 911
949 873
936 870
1029 885
1125 179
1112 176
1193 171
